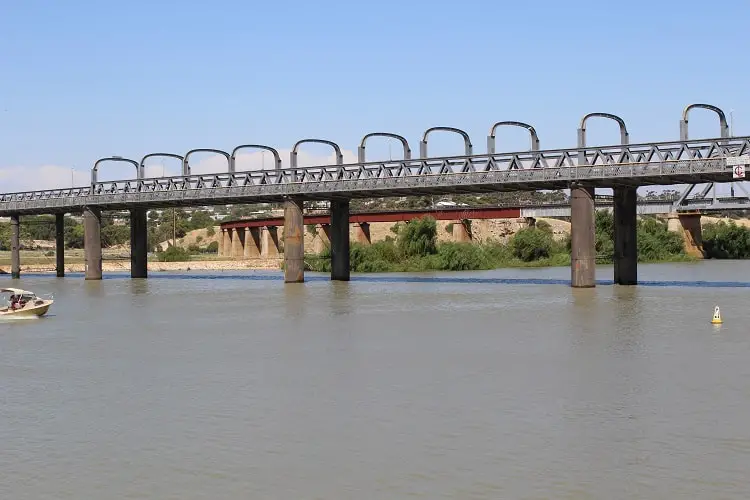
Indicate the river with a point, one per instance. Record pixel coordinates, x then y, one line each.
478 385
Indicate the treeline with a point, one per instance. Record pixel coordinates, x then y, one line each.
414 247
726 241
161 227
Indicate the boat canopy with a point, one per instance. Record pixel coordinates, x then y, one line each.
16 291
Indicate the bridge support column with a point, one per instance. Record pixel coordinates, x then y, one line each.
269 242
322 237
340 268
226 248
238 250
15 246
626 234
92 242
461 233
362 230
138 243
60 245
688 225
220 241
294 241
582 237
252 243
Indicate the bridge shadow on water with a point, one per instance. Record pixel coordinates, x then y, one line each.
407 279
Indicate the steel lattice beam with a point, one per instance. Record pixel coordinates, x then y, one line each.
661 163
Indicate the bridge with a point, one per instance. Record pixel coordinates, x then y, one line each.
622 167
252 237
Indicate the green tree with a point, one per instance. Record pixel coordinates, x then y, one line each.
726 241
201 219
531 243
418 237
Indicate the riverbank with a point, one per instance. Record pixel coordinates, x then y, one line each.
115 266
34 261
423 245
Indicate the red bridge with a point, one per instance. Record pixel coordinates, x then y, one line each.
399 215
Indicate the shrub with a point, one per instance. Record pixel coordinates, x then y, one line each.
543 225
604 246
210 231
656 242
378 257
174 254
213 247
531 244
460 257
726 241
418 237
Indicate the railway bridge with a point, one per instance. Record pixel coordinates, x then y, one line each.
622 167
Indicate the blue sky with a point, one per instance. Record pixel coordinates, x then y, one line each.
84 79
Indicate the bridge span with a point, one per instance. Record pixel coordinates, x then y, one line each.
560 209
622 167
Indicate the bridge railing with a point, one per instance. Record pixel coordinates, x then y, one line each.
46 194
637 154
648 158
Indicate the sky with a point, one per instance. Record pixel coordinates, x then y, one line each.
82 80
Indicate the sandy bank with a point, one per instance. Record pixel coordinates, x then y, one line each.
124 266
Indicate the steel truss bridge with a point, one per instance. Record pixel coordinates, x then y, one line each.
659 163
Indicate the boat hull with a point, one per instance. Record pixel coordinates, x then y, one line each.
28 311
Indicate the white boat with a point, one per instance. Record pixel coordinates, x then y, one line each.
24 303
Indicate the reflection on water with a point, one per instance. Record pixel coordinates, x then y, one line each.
496 384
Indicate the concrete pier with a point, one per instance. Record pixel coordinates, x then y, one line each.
220 240
294 241
15 246
461 233
688 225
626 235
582 237
269 242
362 232
226 247
60 245
340 268
138 243
238 236
92 242
322 238
252 243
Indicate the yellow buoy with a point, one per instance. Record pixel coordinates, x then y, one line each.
716 320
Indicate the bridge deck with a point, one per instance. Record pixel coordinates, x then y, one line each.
664 163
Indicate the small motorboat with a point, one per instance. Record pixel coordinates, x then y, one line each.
24 303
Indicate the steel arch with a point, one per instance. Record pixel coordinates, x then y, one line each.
276 157
532 132
624 136
336 148
186 165
723 133
724 127
423 142
154 155
404 143
95 168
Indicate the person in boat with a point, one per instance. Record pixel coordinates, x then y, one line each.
14 302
